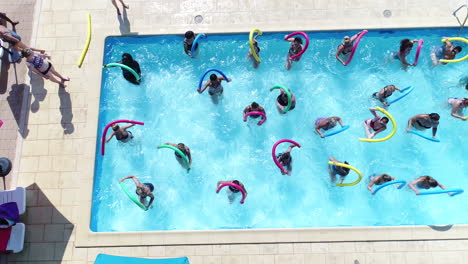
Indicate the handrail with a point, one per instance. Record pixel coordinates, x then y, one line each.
464 21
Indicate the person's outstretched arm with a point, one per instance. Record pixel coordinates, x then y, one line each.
204 86
454 112
290 148
189 156
338 53
167 143
219 183
127 127
410 123
112 134
413 183
374 113
317 129
339 120
151 200
128 177
434 131
221 78
371 183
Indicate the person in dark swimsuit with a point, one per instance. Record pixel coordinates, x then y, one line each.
121 133
285 160
254 107
405 48
296 47
424 182
216 88
128 60
143 190
376 124
446 51
379 180
182 147
282 101
257 50
38 64
326 124
346 47
423 122
334 170
188 41
386 92
232 193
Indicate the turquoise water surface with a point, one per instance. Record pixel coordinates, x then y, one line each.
224 147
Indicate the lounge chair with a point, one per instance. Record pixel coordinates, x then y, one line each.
18 196
16 242
109 259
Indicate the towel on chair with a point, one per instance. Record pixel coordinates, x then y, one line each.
9 212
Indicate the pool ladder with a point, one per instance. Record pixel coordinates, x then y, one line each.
464 21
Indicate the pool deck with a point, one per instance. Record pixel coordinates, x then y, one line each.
51 133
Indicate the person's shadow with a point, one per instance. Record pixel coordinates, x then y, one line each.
66 111
124 24
38 91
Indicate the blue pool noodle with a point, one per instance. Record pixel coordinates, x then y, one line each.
409 89
336 131
203 76
194 44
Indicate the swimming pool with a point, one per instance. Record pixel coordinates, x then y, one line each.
225 148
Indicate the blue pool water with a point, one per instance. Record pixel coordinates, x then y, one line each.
225 148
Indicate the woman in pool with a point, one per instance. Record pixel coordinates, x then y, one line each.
379 180
334 170
188 41
216 88
326 124
121 133
257 50
128 60
405 48
423 122
254 107
143 190
457 107
182 147
232 192
386 92
285 160
38 64
282 101
346 47
424 182
296 47
446 51
376 124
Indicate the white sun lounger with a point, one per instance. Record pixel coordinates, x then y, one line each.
18 196
16 241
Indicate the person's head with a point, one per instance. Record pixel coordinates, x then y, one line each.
181 146
431 181
434 116
384 120
26 53
115 127
405 45
457 49
127 58
386 177
298 40
332 121
213 77
286 158
189 34
234 189
342 171
346 39
254 105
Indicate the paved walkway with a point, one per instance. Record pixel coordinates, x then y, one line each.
57 154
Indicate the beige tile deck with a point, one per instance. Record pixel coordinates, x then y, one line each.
56 158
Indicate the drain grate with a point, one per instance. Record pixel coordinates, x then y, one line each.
198 19
387 13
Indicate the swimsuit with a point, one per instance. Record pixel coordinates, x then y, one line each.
372 124
127 138
421 125
216 90
40 64
328 126
347 48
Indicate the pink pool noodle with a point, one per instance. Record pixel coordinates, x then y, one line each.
273 152
1 123
305 47
103 144
356 43
264 118
235 186
420 43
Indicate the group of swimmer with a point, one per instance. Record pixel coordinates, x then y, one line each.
373 126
